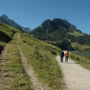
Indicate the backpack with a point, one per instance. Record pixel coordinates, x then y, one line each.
67 53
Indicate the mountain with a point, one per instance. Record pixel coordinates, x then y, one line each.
8 21
62 34
26 29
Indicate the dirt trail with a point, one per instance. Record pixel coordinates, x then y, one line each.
36 84
75 76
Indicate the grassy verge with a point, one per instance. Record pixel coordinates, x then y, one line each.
42 57
10 31
12 76
6 34
2 45
83 61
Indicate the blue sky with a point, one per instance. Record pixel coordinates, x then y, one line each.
31 13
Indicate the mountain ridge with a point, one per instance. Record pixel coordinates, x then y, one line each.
5 19
61 31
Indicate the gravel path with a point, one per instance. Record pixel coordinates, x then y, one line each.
75 76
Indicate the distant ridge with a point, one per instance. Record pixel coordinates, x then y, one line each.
62 33
5 19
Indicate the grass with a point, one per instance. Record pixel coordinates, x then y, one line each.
76 33
10 31
13 76
2 43
42 57
81 47
83 61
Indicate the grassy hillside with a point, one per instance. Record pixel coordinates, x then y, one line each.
13 76
63 33
10 31
80 47
75 33
6 34
83 61
42 57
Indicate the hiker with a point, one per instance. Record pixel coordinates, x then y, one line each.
61 56
66 56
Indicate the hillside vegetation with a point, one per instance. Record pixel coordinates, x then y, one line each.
13 76
42 57
6 34
62 34
82 60
10 31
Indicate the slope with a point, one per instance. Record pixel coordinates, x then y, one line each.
62 34
5 19
12 76
6 34
40 56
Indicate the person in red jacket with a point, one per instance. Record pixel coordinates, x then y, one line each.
66 56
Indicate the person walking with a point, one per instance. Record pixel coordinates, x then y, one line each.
66 56
61 56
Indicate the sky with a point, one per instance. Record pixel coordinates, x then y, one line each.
31 13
